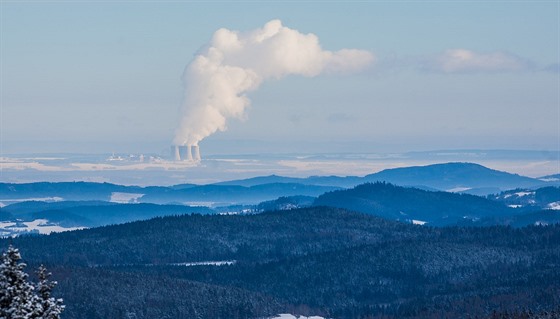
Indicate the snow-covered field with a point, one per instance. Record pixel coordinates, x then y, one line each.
519 194
554 206
201 204
42 226
188 264
125 198
206 263
289 316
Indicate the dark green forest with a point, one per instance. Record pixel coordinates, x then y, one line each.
312 261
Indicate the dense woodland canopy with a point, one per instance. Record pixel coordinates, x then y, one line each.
317 260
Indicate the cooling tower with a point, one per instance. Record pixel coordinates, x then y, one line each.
196 151
185 152
189 153
175 152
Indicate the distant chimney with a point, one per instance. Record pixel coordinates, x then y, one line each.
175 152
196 151
185 153
189 153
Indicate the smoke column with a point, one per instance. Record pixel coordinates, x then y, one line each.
234 63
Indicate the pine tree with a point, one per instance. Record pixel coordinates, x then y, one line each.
19 299
50 307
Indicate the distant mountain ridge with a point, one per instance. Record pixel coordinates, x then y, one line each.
550 178
446 176
179 194
234 194
466 177
65 190
453 175
425 204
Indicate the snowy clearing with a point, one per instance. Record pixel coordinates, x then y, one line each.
206 263
515 206
125 198
418 222
186 264
458 189
521 194
554 206
289 316
199 204
41 225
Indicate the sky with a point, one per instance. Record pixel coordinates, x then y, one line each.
102 76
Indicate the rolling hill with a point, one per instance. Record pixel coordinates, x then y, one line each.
451 176
412 204
83 214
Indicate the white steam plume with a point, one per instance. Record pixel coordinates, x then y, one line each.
234 63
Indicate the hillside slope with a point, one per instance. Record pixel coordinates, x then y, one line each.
450 176
412 204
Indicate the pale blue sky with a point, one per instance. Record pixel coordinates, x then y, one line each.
105 76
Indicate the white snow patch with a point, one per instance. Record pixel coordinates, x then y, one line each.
554 206
44 227
199 204
289 316
458 189
551 179
515 206
206 263
418 222
125 198
521 194
7 224
474 219
41 225
2 205
32 199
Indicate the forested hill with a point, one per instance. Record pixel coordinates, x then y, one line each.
192 238
92 214
319 260
412 204
453 175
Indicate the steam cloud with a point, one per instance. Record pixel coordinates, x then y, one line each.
233 63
